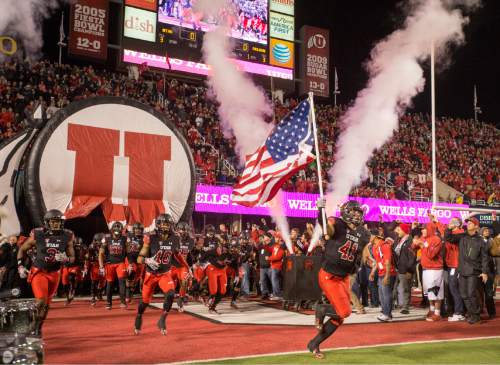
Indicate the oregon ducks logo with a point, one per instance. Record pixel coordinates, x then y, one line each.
8 46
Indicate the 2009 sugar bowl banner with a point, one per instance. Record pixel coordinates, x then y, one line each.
217 199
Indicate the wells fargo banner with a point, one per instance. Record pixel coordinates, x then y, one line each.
315 60
88 30
217 199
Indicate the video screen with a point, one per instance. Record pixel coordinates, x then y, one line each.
247 18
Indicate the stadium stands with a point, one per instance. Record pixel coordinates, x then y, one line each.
467 150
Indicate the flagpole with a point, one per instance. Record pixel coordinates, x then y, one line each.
336 88
475 103
318 159
61 38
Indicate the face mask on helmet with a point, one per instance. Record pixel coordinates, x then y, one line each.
351 212
116 229
210 231
54 221
182 228
137 229
164 223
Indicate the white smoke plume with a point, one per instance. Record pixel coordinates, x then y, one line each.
243 106
22 19
279 217
395 77
317 233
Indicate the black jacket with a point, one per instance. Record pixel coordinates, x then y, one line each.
265 251
406 260
473 256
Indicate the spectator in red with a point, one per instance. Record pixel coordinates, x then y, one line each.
276 260
382 252
432 264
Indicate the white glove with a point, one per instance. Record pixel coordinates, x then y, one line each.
152 263
61 257
321 203
102 271
23 272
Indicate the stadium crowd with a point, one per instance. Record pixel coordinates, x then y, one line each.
466 157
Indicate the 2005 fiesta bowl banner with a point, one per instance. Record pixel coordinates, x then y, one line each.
114 153
217 199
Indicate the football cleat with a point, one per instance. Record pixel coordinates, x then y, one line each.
233 305
93 302
138 324
162 325
180 305
315 351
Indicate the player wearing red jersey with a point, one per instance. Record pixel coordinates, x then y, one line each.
157 253
135 271
345 240
54 246
112 255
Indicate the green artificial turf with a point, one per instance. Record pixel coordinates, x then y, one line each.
455 352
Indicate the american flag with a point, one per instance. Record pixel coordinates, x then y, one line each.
288 149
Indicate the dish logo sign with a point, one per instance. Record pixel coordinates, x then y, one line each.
140 24
317 41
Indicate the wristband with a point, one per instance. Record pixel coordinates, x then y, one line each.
19 262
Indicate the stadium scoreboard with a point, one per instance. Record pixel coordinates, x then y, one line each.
262 32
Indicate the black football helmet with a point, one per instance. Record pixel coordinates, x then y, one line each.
53 221
164 223
116 229
138 229
210 230
183 228
351 212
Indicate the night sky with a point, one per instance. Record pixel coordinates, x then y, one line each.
357 25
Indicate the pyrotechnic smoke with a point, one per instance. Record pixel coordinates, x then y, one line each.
318 231
395 77
243 106
23 20
279 217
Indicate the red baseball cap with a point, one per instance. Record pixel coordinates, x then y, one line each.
473 220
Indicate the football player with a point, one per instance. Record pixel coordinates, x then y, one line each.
112 255
157 254
135 271
71 273
345 240
180 272
97 280
216 269
54 246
